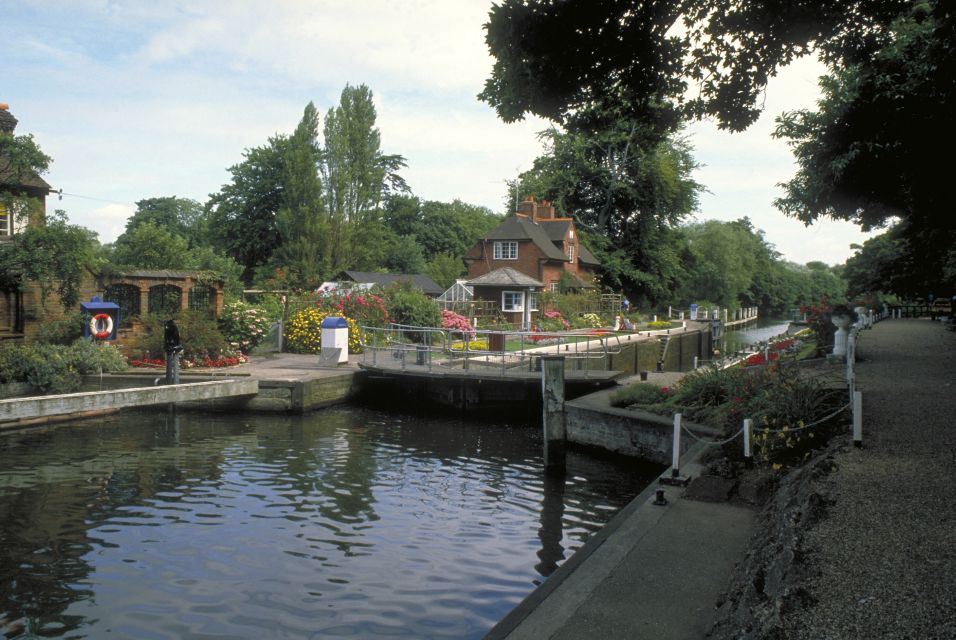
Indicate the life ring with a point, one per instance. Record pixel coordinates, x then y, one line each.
107 327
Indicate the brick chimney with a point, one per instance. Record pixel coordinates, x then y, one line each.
7 122
544 211
527 206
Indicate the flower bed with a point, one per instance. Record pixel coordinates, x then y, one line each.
192 363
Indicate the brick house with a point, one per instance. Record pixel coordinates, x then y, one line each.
22 197
537 244
138 293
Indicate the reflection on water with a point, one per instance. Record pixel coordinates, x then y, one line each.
342 522
764 329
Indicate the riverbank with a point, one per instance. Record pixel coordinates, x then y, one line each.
860 543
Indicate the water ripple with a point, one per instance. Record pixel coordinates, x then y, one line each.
344 522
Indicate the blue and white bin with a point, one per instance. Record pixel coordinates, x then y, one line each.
335 335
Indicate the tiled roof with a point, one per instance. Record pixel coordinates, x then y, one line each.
587 257
516 227
31 180
420 280
504 277
158 274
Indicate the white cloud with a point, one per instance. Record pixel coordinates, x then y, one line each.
139 100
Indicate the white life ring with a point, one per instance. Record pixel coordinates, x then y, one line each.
104 330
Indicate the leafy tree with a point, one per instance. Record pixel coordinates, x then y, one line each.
241 218
356 174
150 246
180 216
627 186
445 269
54 254
869 151
303 226
555 58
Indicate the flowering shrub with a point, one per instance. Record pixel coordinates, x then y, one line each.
659 324
591 320
367 309
759 358
303 332
456 322
783 344
642 393
473 345
193 362
243 326
553 321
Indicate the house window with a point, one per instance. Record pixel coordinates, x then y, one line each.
554 286
571 253
6 221
512 300
506 250
533 300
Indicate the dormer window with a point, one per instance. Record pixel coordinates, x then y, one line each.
506 250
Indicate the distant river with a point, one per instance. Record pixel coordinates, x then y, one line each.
764 329
344 522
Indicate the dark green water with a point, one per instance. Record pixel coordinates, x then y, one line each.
342 523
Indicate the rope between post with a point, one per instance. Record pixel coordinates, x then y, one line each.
710 442
812 424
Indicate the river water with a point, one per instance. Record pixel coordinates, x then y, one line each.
341 523
762 330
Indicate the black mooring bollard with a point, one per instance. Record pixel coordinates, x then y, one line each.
172 345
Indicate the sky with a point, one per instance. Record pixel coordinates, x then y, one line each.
136 100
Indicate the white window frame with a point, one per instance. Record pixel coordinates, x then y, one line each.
506 250
6 223
512 301
533 300
571 252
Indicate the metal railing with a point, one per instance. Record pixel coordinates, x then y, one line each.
493 352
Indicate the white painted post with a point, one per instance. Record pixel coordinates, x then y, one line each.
655 317
748 429
695 363
669 312
857 419
675 455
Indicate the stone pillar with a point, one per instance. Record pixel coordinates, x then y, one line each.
553 419
842 323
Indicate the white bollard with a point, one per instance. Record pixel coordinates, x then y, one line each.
675 455
695 363
857 419
748 429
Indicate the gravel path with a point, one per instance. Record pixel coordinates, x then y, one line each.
882 561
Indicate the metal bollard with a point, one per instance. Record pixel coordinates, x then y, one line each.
748 451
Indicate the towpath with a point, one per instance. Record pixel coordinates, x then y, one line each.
883 559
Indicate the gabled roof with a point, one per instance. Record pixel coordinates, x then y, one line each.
586 256
519 227
420 280
30 181
556 229
504 277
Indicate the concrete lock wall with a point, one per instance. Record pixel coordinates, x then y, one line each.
643 355
33 407
627 431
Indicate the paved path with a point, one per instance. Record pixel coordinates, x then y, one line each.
884 558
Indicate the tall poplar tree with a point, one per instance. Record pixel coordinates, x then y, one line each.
302 220
357 175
